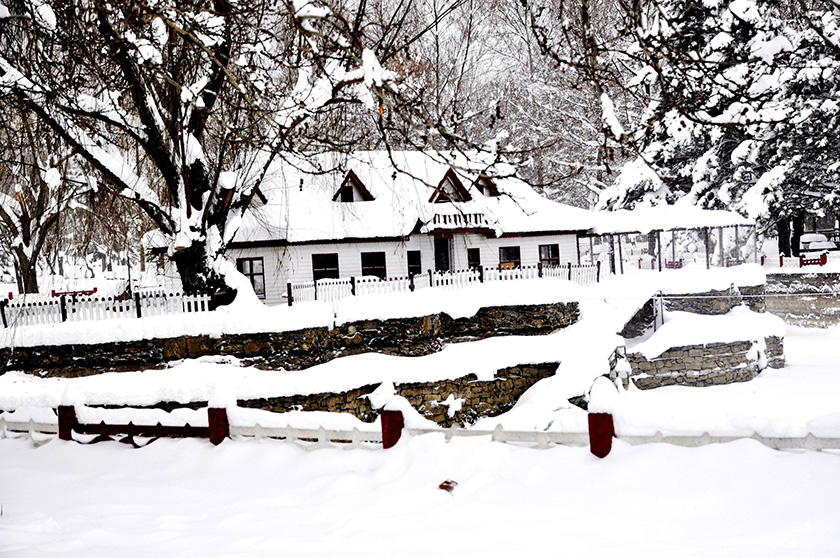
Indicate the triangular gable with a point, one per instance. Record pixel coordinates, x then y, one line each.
450 189
352 189
486 186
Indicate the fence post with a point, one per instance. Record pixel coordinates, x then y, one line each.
352 285
392 425
411 282
570 271
62 301
66 421
137 307
781 260
601 433
3 304
219 425
801 260
539 270
431 279
315 282
289 293
481 274
598 271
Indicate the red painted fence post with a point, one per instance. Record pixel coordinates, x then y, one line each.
219 425
392 425
66 421
601 433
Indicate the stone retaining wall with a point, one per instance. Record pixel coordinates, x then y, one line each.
705 365
807 300
478 398
296 350
708 303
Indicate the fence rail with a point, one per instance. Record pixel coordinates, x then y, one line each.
333 290
73 308
392 428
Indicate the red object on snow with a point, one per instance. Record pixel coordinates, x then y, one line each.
392 425
74 293
448 485
601 433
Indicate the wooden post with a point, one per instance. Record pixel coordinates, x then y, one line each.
611 249
720 239
659 248
219 425
598 271
3 304
411 282
620 256
431 279
392 425
66 421
315 282
137 306
289 293
601 433
539 270
570 270
481 274
353 285
674 246
63 304
706 241
737 246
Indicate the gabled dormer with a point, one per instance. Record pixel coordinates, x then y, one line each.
486 186
450 189
352 190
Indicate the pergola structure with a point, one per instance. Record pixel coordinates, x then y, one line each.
669 237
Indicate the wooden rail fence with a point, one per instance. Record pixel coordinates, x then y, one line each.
599 436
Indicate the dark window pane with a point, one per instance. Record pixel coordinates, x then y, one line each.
324 266
550 254
415 266
253 269
509 257
373 263
473 257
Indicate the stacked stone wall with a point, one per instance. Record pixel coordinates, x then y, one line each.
705 365
807 300
710 303
297 350
479 398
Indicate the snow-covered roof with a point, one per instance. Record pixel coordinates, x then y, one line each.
300 203
664 217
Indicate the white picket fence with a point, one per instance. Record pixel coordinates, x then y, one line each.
23 312
334 290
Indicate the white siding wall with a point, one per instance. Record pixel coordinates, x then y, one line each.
294 263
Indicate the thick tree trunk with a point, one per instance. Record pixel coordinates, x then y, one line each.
783 230
27 274
197 275
798 230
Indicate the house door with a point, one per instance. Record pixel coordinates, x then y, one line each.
442 251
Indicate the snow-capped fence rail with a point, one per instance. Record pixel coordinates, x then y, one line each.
72 308
599 435
333 290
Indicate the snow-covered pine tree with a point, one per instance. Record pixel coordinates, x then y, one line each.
745 110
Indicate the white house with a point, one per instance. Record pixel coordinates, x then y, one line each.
390 215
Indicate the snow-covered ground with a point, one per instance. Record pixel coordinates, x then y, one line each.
272 498
275 498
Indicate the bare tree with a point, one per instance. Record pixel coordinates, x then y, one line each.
39 180
181 107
